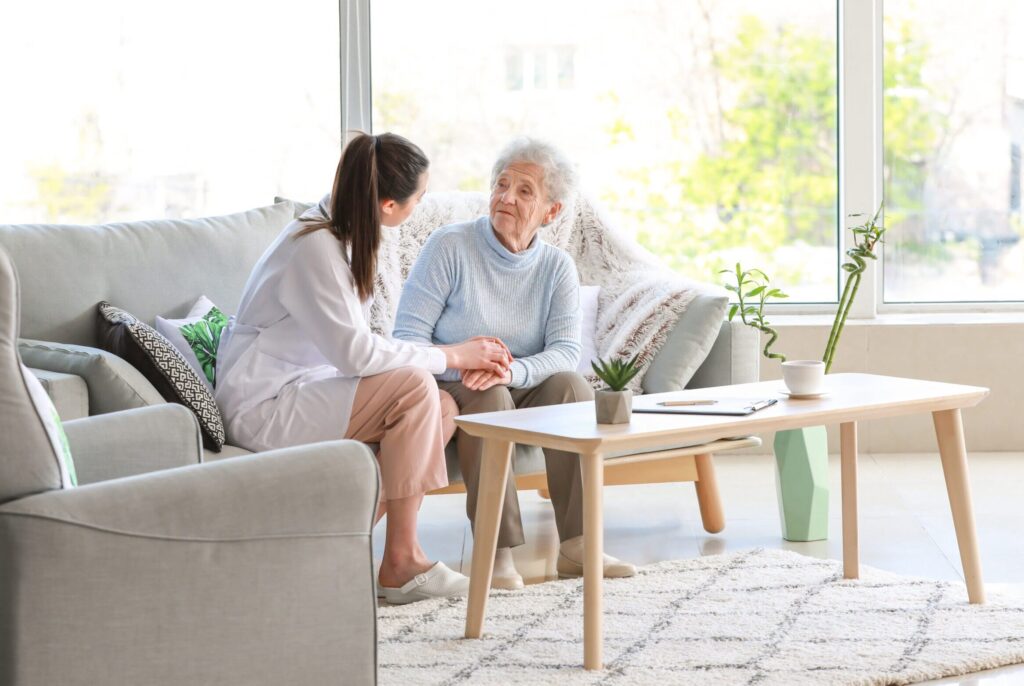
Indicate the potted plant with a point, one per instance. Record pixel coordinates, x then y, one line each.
801 455
614 405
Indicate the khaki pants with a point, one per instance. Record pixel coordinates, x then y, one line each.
412 420
565 480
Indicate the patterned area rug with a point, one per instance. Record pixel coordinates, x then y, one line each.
756 617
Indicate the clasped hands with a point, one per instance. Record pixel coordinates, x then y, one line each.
497 366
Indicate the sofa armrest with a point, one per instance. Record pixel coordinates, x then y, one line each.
734 358
69 392
130 442
256 570
113 383
320 489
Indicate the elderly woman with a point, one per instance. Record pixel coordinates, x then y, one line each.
494 276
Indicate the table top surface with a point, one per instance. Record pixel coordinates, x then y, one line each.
848 397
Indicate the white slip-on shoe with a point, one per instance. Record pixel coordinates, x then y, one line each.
436 582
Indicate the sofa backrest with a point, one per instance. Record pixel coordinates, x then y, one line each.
149 268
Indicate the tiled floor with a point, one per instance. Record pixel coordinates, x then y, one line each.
905 525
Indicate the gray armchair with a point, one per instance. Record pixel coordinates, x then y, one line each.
250 571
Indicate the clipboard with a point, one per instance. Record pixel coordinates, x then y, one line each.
736 407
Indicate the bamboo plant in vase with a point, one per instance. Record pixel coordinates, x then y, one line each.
801 455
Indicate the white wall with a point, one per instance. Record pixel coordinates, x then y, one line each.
983 352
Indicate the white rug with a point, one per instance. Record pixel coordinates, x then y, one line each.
755 617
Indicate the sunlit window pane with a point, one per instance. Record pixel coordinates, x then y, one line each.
120 110
954 126
708 129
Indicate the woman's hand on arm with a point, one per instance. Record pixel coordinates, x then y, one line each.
483 353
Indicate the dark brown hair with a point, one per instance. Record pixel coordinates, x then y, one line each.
372 169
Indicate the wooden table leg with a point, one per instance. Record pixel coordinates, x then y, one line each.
949 430
593 558
848 467
708 498
497 456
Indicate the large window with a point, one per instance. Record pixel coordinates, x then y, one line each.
120 110
707 128
953 127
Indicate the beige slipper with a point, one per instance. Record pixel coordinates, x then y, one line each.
614 568
508 583
505 575
570 566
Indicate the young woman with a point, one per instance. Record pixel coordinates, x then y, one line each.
299 363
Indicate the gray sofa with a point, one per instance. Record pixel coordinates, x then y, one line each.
227 573
161 267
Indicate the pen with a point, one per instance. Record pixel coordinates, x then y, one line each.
682 403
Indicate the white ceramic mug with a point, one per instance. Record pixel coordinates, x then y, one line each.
804 377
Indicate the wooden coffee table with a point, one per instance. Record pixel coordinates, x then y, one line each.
851 398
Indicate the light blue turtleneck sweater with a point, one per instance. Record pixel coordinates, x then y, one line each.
465 283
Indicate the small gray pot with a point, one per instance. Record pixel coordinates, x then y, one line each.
613 407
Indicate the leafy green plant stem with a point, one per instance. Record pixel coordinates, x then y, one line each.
833 334
865 237
840 322
745 309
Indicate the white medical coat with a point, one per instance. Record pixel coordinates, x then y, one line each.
290 360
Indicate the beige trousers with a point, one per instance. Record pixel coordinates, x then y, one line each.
412 420
565 480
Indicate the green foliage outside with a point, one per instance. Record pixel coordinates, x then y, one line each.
84 197
769 177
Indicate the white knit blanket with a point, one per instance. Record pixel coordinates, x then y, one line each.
640 299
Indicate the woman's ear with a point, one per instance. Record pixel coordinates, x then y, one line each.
388 207
552 212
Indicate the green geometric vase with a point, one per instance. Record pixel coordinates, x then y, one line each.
801 474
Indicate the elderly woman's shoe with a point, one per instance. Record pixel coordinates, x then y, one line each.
570 562
505 575
437 582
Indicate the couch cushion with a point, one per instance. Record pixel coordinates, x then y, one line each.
113 384
688 343
68 392
148 267
225 452
164 367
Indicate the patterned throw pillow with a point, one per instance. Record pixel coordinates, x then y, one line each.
161 363
197 337
54 429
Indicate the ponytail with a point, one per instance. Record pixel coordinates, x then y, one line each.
372 169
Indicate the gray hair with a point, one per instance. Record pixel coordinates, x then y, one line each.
559 173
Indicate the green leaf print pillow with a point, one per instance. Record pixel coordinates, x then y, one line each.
197 336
